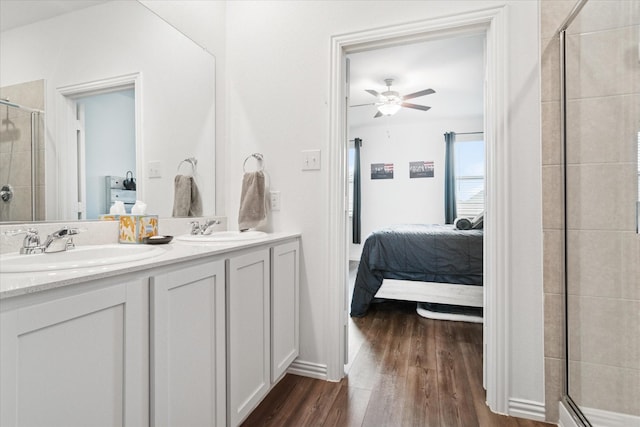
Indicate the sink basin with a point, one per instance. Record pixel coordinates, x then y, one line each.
223 236
80 257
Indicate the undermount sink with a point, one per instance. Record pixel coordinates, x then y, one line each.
223 236
80 257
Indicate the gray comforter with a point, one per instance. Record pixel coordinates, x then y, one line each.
429 253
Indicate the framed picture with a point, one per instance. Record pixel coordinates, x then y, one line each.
421 169
381 170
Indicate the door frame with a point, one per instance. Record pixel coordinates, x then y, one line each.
66 135
492 23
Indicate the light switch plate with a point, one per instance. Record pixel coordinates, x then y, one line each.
310 160
275 200
154 169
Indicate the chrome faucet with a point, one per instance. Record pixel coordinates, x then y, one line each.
31 242
60 240
205 228
57 241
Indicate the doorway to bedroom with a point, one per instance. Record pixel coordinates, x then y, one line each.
412 167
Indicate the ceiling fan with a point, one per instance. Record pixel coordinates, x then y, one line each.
390 101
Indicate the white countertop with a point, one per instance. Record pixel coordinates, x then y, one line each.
16 284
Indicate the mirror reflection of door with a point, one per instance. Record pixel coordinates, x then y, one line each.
106 147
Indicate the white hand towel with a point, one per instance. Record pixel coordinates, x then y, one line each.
253 207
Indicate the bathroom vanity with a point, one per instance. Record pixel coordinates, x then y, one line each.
195 336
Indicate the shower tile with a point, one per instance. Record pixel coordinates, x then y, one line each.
599 15
608 388
600 64
609 332
594 137
594 263
551 138
602 196
29 94
40 167
553 265
20 169
630 266
553 326
550 70
552 13
552 197
554 380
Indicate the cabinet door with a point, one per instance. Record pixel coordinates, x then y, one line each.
188 347
285 278
76 361
248 332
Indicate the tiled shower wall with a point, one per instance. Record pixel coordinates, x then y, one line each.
604 250
15 151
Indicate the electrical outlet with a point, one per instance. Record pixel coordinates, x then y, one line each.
310 160
155 169
275 200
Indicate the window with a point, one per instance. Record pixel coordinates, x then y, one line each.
469 171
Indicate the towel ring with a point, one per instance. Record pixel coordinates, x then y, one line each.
259 157
193 162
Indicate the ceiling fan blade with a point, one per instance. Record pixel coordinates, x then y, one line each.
416 106
378 114
418 94
372 92
362 105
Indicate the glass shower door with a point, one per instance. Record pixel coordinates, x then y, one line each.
21 153
602 246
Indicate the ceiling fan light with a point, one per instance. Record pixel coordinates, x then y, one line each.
389 109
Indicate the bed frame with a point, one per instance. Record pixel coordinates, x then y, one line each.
441 293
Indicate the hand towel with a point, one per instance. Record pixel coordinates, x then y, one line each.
253 208
186 197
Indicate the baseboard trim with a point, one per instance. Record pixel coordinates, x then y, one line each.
308 369
528 409
600 418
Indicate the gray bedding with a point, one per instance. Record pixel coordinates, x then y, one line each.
429 253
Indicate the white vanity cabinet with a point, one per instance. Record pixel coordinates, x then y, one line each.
262 323
248 329
188 346
78 358
285 276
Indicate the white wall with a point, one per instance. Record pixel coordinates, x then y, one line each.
278 57
403 200
204 22
113 39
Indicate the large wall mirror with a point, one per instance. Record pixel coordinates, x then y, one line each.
106 89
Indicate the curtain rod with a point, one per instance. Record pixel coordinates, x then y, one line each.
467 133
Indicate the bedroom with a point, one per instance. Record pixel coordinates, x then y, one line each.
413 138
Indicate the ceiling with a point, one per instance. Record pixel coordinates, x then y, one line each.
453 67
16 13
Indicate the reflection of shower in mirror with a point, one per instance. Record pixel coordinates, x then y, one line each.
20 196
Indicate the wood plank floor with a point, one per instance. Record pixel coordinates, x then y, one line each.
407 371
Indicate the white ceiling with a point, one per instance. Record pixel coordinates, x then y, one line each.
453 67
16 13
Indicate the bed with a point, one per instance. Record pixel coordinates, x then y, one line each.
438 266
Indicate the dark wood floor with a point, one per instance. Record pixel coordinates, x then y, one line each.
408 371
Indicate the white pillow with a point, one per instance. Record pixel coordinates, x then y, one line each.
477 223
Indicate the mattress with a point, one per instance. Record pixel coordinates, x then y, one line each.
419 252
